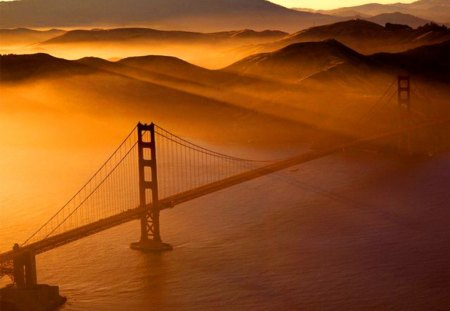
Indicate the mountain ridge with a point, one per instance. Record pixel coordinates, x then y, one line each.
191 15
367 37
149 34
434 10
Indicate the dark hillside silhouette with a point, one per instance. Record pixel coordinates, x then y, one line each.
368 38
430 62
38 66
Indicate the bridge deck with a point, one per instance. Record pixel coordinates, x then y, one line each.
169 202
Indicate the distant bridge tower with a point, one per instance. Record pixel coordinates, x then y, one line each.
148 191
404 92
404 105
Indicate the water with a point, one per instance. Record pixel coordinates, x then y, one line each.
354 231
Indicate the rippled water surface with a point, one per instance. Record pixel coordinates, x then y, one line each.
354 231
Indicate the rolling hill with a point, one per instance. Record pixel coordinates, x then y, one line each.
431 62
429 67
297 61
435 10
329 67
223 47
146 35
19 36
164 70
369 38
393 17
398 18
332 86
37 66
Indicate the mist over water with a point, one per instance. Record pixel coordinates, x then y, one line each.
347 231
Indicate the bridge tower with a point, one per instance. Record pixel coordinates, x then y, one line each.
24 268
404 106
148 191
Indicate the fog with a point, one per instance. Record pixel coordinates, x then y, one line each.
213 51
61 127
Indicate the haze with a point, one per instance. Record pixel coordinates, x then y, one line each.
364 227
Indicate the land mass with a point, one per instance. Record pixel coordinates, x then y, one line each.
193 15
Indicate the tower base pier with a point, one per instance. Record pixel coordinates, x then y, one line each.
36 298
151 246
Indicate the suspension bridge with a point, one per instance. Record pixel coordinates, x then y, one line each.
153 170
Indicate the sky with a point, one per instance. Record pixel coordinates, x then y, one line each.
326 4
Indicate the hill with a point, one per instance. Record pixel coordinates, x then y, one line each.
193 15
430 62
146 35
152 68
428 65
369 38
297 61
398 18
37 66
336 62
169 65
19 36
164 70
332 86
223 47
393 17
435 10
